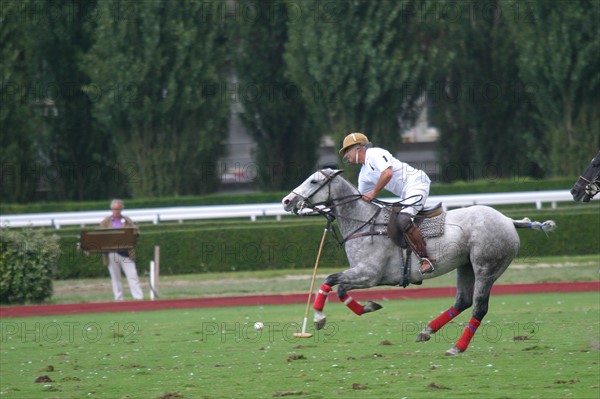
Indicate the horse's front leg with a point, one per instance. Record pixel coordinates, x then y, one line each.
319 317
353 304
345 282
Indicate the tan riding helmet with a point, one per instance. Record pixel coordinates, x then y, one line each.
352 139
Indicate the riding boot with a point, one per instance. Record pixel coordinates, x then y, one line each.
418 245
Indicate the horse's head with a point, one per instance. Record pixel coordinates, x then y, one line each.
588 184
313 195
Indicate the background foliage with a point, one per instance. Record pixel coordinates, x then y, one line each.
123 98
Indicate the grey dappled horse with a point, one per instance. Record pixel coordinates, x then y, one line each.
478 241
588 184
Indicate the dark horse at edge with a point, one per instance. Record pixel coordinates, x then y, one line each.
588 184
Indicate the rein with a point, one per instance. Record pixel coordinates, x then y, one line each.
371 221
327 211
355 233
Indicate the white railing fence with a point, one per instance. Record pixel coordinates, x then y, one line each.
253 211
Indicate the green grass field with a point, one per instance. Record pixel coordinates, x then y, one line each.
529 346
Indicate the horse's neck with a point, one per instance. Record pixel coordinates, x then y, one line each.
351 214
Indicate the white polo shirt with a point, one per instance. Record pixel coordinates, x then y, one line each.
406 180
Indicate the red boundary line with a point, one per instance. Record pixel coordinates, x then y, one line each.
258 300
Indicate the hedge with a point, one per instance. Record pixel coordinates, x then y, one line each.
27 262
293 244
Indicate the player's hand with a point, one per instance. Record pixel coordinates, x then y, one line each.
368 197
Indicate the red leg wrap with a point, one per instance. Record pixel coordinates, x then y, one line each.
321 297
353 305
444 318
465 339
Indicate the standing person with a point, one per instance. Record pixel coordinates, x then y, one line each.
121 260
381 170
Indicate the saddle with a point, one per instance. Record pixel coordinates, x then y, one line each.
429 220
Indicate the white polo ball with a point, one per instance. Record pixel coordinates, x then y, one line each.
258 326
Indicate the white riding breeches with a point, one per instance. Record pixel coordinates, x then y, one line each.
420 193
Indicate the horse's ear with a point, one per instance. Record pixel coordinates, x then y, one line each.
332 172
596 160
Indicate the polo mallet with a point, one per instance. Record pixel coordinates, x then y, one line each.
304 334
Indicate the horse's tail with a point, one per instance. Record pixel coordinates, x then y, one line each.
526 223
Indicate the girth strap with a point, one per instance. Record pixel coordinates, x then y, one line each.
406 266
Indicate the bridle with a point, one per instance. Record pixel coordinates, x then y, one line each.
323 208
591 187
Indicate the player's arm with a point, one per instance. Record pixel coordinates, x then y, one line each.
384 179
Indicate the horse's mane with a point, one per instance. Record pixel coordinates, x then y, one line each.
338 173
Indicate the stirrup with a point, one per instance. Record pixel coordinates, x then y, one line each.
430 268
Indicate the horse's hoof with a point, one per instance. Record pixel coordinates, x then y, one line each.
320 319
319 324
371 307
423 337
453 351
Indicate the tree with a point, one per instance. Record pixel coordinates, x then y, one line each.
158 69
273 108
479 103
77 155
558 61
18 122
361 65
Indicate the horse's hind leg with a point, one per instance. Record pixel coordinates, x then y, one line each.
492 263
465 279
482 298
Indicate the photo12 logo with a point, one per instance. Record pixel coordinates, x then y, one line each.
224 332
67 331
489 332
